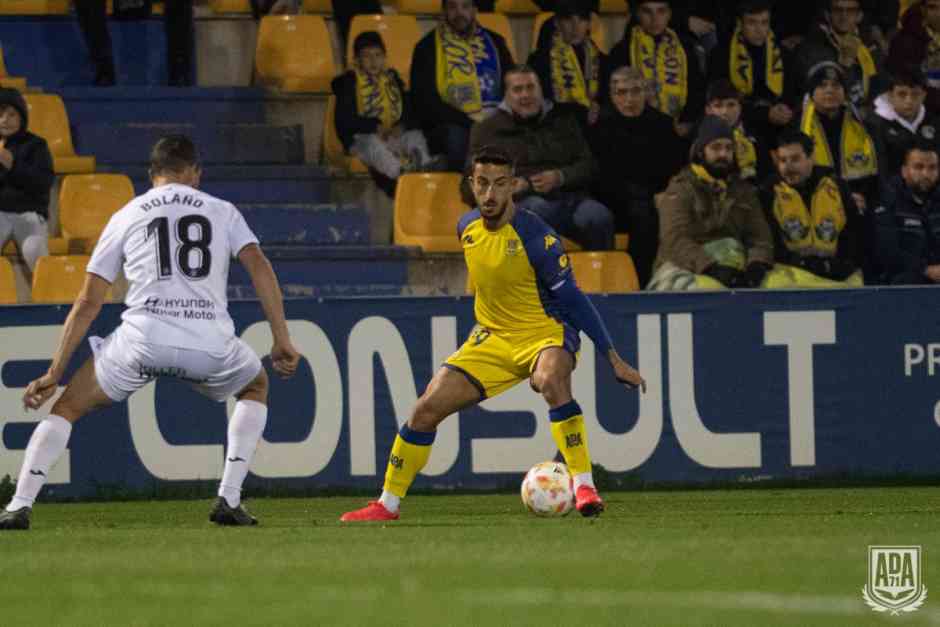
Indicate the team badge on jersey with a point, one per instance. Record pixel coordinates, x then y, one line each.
563 261
550 240
512 247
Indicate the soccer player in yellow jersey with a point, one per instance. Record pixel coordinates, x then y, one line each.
529 311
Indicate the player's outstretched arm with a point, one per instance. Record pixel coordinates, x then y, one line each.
585 316
284 357
84 311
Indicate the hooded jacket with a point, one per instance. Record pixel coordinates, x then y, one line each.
907 233
893 134
25 187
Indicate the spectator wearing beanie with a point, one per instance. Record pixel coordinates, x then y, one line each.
713 233
840 140
374 115
26 177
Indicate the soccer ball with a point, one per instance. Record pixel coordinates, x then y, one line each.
548 489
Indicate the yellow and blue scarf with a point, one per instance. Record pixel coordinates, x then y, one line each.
815 230
859 159
569 82
379 97
742 65
666 64
469 76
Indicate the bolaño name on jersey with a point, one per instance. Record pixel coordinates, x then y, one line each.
186 200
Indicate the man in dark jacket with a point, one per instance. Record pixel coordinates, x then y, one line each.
901 119
908 221
631 170
569 63
667 59
374 117
451 94
25 180
814 221
554 165
753 61
841 36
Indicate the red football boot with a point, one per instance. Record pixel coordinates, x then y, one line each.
374 511
588 501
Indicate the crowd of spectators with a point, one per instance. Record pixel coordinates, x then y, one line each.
743 143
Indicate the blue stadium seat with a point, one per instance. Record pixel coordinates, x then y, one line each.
243 185
222 143
308 225
164 105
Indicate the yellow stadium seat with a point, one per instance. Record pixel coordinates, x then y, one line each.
318 6
34 7
7 283
419 7
610 272
295 53
59 279
598 32
401 33
48 119
9 81
614 6
230 6
87 202
525 7
499 24
333 148
427 208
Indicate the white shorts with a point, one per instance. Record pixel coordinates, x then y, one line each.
123 366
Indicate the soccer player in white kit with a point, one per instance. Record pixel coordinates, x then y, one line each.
174 245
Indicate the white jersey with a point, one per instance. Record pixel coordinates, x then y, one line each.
175 245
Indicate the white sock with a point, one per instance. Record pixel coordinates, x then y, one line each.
585 478
45 447
390 501
244 431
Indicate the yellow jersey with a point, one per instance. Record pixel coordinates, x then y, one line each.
514 271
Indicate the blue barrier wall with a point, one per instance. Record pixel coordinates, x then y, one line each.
743 386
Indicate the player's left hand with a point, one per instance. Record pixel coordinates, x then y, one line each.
284 359
39 391
628 375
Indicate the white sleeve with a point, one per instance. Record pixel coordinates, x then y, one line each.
108 256
239 233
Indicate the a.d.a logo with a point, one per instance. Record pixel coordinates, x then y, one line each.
895 579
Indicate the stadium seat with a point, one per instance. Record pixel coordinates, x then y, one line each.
427 208
605 272
614 6
230 6
9 81
295 53
59 279
400 33
499 23
48 119
598 32
333 148
523 7
419 7
7 283
34 7
86 203
318 6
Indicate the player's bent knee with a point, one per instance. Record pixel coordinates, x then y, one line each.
257 390
424 417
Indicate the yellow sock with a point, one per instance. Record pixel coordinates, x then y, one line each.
571 437
409 455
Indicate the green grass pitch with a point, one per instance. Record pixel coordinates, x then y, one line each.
722 558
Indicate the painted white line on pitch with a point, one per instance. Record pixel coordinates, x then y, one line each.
747 600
